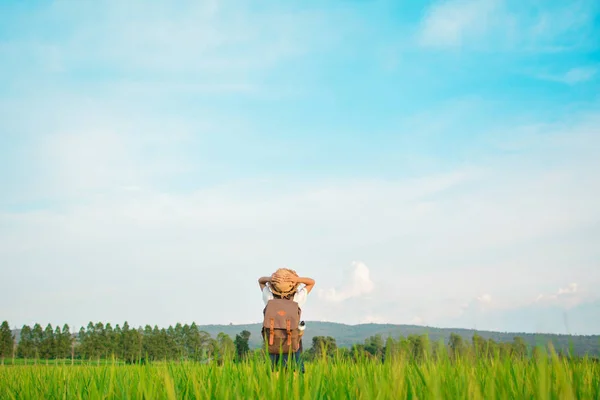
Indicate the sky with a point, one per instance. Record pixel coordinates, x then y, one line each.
426 163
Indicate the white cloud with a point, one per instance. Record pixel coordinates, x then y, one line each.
572 288
360 284
573 76
578 75
566 297
450 23
499 25
474 305
197 47
562 26
484 299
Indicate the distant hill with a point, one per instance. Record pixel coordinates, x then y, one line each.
347 335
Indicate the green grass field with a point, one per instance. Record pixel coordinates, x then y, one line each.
544 378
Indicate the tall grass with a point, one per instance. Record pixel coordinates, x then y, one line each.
544 377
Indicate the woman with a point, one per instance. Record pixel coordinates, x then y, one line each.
286 284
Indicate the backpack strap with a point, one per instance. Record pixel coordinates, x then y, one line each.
289 332
272 332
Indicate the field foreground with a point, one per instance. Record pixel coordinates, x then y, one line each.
551 378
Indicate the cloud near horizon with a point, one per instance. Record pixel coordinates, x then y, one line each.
359 284
566 297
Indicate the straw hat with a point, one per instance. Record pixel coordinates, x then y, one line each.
284 288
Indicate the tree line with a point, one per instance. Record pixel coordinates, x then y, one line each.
189 343
102 341
419 347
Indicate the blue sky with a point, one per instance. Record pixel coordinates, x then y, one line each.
431 163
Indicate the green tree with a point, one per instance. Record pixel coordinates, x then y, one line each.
92 343
241 344
84 344
57 343
212 349
492 348
359 353
167 343
196 342
506 350
25 347
137 337
170 342
418 346
519 347
38 336
226 347
47 344
158 346
148 343
479 345
392 349
179 342
322 346
6 341
457 346
374 345
110 341
117 334
131 343
64 342
100 342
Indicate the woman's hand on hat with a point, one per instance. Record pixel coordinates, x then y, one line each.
276 278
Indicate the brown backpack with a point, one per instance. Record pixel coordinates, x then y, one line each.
280 326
